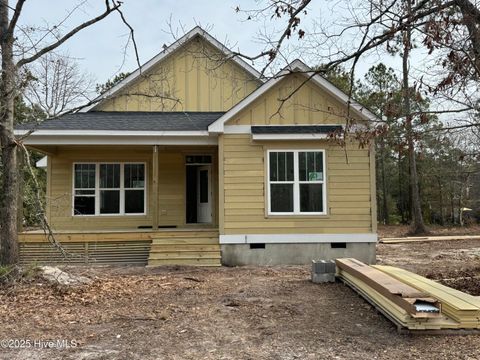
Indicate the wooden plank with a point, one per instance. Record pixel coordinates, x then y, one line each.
187 241
392 311
403 295
85 237
429 238
184 255
452 297
185 262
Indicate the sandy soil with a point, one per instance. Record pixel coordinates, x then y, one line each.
227 313
434 230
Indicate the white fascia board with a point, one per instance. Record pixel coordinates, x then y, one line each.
120 133
170 49
298 67
120 140
297 238
289 136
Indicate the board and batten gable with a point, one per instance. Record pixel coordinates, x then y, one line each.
350 187
194 77
292 102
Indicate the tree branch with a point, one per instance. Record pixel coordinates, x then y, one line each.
15 17
108 10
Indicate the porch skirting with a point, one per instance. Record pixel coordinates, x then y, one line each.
127 247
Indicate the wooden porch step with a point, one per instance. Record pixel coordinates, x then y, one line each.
186 241
185 234
185 255
195 248
187 247
191 262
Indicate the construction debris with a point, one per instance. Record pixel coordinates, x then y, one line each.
411 301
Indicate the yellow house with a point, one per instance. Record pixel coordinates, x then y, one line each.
196 159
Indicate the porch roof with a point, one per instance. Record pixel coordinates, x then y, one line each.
127 121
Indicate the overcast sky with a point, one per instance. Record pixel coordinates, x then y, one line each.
99 49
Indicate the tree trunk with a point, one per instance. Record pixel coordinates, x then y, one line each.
401 194
8 209
418 225
442 213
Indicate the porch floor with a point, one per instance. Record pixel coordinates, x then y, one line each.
175 246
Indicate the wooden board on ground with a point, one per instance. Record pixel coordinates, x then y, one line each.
403 295
428 238
458 305
396 314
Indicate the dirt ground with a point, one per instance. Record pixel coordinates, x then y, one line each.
228 313
385 231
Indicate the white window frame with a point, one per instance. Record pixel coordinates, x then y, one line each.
296 183
122 188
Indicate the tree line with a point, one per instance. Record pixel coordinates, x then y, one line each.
448 162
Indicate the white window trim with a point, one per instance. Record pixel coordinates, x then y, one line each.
296 184
122 188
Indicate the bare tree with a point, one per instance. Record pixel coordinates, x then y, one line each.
55 84
448 29
418 225
15 56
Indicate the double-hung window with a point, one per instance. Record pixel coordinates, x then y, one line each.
109 189
296 182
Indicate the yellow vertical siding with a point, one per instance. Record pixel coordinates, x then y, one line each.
196 77
300 104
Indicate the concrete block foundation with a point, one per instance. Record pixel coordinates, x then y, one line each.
294 254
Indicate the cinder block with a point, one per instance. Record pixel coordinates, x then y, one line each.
323 271
323 278
330 267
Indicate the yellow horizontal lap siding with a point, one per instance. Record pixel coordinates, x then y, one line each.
305 219
348 189
61 187
171 180
298 230
195 77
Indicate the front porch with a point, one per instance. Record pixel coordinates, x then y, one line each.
194 246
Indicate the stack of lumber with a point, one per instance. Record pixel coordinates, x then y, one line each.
409 300
428 238
459 306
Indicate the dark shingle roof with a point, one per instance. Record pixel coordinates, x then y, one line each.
297 129
129 121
